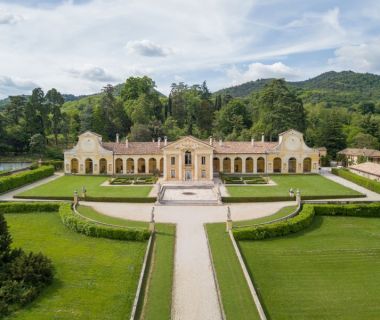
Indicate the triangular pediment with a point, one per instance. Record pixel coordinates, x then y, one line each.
188 142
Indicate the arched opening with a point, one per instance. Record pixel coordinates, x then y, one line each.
249 165
238 165
102 166
292 165
260 165
88 165
277 164
161 165
152 165
119 165
227 165
74 165
187 158
307 165
216 164
130 166
141 165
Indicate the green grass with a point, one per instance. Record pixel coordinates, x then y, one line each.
157 304
309 185
236 297
94 278
279 214
65 186
158 300
328 271
93 214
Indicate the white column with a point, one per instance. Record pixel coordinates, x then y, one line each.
135 165
211 167
146 165
180 166
254 165
165 171
243 168
195 166
233 165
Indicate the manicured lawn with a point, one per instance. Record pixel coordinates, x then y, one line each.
94 278
158 289
329 271
236 297
309 185
279 214
65 186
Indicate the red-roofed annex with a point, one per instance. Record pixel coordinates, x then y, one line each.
190 158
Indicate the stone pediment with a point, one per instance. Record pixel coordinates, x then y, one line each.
188 143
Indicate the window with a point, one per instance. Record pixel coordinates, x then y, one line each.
172 173
203 160
187 158
203 174
172 161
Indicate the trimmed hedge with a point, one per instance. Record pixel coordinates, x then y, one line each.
286 198
355 178
20 179
92 199
277 229
93 229
304 219
21 207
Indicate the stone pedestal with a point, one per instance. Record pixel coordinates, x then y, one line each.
228 225
152 226
76 199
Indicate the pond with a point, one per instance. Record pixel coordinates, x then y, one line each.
10 166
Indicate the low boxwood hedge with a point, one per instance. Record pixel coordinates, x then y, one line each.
92 199
304 219
19 179
355 178
21 207
78 224
285 198
277 229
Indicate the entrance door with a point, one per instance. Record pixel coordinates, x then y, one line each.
187 175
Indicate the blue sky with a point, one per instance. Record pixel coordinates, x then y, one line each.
79 46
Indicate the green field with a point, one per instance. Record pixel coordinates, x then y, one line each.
236 297
65 186
158 289
279 214
309 185
94 278
328 271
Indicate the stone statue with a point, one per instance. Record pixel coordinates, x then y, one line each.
152 215
228 213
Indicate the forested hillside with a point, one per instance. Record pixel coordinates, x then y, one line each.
334 110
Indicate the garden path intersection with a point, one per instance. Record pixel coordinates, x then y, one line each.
194 290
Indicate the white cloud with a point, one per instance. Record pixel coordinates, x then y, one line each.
16 85
148 48
363 57
92 74
8 18
259 70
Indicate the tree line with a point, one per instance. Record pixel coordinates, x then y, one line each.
43 124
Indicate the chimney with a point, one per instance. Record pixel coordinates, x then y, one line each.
159 142
210 141
262 138
165 141
220 142
252 141
126 142
117 138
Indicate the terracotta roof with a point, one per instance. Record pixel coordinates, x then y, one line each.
360 152
367 167
243 147
134 148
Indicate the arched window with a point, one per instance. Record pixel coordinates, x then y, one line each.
249 165
292 165
260 165
152 165
74 165
102 166
216 164
227 165
307 165
238 165
130 166
141 165
277 165
119 165
188 158
88 165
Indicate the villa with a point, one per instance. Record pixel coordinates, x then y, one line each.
190 158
